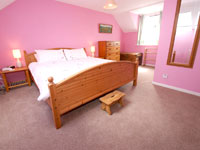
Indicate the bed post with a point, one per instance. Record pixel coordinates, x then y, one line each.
25 57
55 111
135 74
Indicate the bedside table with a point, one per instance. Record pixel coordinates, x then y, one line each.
7 86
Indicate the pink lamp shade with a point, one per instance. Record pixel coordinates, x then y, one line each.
17 55
92 49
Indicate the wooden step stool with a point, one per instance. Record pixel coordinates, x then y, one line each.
111 99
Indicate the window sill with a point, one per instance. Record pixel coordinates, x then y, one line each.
146 45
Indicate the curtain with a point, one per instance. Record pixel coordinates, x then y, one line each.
140 29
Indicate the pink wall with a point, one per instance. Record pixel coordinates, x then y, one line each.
129 44
129 41
177 76
40 24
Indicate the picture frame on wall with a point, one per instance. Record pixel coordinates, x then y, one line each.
105 28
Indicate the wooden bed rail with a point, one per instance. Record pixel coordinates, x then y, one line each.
88 85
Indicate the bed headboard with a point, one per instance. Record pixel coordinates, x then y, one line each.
29 58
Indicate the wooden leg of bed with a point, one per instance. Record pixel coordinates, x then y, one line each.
57 120
135 82
54 107
135 73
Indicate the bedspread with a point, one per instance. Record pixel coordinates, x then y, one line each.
59 70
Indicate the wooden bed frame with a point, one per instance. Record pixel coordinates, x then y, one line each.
86 85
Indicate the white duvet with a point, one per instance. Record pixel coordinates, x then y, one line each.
59 70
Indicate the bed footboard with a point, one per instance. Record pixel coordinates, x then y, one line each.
88 85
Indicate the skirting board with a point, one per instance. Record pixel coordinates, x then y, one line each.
177 89
149 65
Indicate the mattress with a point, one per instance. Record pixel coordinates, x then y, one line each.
59 70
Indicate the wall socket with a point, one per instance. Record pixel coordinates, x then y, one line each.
165 76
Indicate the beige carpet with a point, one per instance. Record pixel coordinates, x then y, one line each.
154 118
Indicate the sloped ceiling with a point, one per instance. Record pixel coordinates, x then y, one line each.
127 21
149 9
123 5
5 3
122 13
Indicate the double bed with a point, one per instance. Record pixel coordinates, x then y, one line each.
66 85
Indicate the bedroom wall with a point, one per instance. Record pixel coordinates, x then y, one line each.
41 24
129 44
129 41
179 77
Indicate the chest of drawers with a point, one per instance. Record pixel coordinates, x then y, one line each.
109 50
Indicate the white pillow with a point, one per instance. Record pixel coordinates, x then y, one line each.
50 55
75 54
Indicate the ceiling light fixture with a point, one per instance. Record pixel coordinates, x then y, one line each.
110 4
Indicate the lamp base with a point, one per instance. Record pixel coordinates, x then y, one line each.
19 64
93 55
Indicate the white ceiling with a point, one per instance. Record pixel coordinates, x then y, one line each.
5 3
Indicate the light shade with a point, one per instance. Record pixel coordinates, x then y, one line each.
16 53
110 4
92 49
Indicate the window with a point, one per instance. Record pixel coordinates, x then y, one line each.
197 19
149 30
185 19
184 25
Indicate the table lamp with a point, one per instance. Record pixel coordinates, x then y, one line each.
92 49
17 55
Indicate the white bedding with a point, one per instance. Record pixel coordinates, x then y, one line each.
59 70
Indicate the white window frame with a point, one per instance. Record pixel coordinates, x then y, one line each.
143 27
